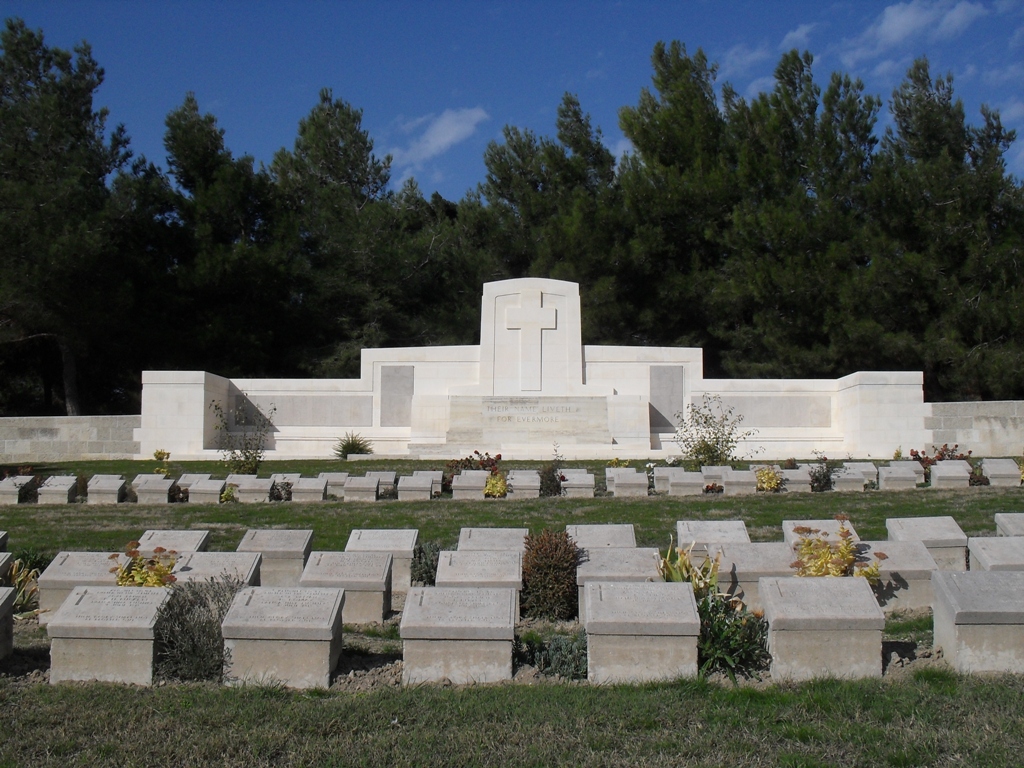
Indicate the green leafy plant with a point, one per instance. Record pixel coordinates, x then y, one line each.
243 450
187 636
817 556
823 473
769 480
423 569
496 486
677 564
732 639
561 655
163 457
476 461
549 576
281 491
708 434
945 453
229 495
352 443
551 477
139 571
23 578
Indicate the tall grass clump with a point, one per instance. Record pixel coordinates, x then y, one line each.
188 641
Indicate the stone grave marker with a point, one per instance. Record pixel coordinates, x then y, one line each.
186 481
525 483
978 618
3 541
362 489
822 627
292 636
945 540
493 539
739 482
467 569
58 489
286 477
105 634
708 535
387 480
469 485
579 485
399 543
13 489
6 561
631 484
1001 473
906 573
686 484
153 489
251 489
309 489
1007 524
69 570
203 566
866 468
412 488
178 541
743 564
641 632
284 554
436 479
6 622
365 577
335 483
950 474
898 476
106 489
596 536
615 565
849 481
997 553
663 478
463 635
206 491
611 475
829 527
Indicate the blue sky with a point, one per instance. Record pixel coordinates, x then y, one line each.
438 80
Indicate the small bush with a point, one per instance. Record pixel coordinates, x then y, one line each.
823 473
243 451
678 565
562 655
732 639
23 579
817 556
769 480
188 641
945 453
549 576
352 442
34 559
281 491
139 571
423 569
476 461
496 486
707 434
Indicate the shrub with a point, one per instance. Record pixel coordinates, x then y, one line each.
243 451
281 491
423 569
708 433
549 576
677 565
769 480
476 461
977 476
732 639
34 559
351 443
139 571
187 635
551 477
945 453
562 655
823 473
496 486
228 495
817 556
23 578
789 463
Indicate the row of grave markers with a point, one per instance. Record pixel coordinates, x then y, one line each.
423 485
286 624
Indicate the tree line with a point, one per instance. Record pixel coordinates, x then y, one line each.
785 234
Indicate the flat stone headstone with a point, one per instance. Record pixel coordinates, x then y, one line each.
187 480
945 540
284 554
156 489
828 527
286 477
12 488
897 477
578 486
178 541
906 573
399 543
69 570
3 541
462 635
739 482
714 474
866 468
978 618
206 491
105 634
335 483
849 481
365 577
292 636
251 489
615 565
480 569
1001 473
488 539
663 477
204 566
7 596
950 474
107 489
387 479
686 484
640 632
469 485
309 489
525 483
1007 524
596 536
362 489
825 626
704 535
611 475
996 553
6 560
631 485
58 489
411 488
436 479
743 564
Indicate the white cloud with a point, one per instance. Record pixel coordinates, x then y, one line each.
1012 113
740 58
622 147
442 132
900 23
797 38
759 85
1018 38
1011 73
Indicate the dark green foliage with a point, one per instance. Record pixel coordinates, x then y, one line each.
423 569
187 636
549 576
561 655
732 639
475 461
33 559
823 474
352 442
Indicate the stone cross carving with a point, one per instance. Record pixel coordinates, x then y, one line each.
531 319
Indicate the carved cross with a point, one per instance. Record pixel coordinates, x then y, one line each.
531 319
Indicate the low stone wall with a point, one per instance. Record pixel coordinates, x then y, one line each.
67 438
988 428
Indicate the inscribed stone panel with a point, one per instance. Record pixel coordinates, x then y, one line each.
397 383
666 396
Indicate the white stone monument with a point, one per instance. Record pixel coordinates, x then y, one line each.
945 540
284 554
365 577
399 543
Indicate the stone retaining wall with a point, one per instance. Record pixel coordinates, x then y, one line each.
988 428
67 438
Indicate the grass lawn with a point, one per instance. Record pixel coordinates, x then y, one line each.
924 716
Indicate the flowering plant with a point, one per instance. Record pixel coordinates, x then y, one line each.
140 571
